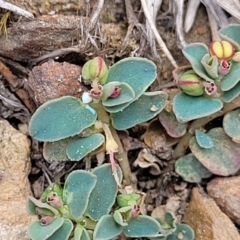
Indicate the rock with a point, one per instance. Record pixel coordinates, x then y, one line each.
207 220
53 79
226 193
14 184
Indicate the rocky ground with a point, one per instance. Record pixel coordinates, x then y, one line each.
54 47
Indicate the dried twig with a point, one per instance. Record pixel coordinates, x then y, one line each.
13 8
156 34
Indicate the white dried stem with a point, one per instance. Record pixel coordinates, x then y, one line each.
192 8
213 25
95 16
13 8
179 6
156 34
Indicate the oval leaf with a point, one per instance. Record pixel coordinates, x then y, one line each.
60 118
194 53
190 169
183 232
221 159
232 78
56 151
106 228
104 193
142 226
127 95
171 125
79 147
228 96
63 232
143 109
77 189
203 139
38 232
187 108
231 123
139 73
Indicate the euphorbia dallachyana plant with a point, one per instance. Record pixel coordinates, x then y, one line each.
84 209
71 128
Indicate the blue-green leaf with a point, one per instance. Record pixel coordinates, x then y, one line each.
77 189
60 118
203 139
187 108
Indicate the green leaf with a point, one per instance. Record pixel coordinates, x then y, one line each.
228 96
104 193
143 109
79 147
203 139
231 34
211 65
56 151
139 73
31 202
127 95
60 118
194 53
38 232
231 125
142 226
190 169
171 125
77 189
80 233
63 232
187 108
183 232
221 159
106 228
232 78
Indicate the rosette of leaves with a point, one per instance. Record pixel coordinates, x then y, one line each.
126 220
66 125
75 209
218 66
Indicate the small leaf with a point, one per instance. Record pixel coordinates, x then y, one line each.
183 232
203 139
139 73
211 65
77 189
127 95
194 54
171 125
140 111
60 118
106 228
33 201
63 232
231 34
104 193
142 226
221 159
232 78
231 123
38 232
190 169
79 147
56 151
187 108
80 233
228 96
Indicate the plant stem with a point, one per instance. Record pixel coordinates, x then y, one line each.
121 156
184 142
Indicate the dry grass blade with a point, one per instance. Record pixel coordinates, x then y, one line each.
230 6
13 8
156 34
192 8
